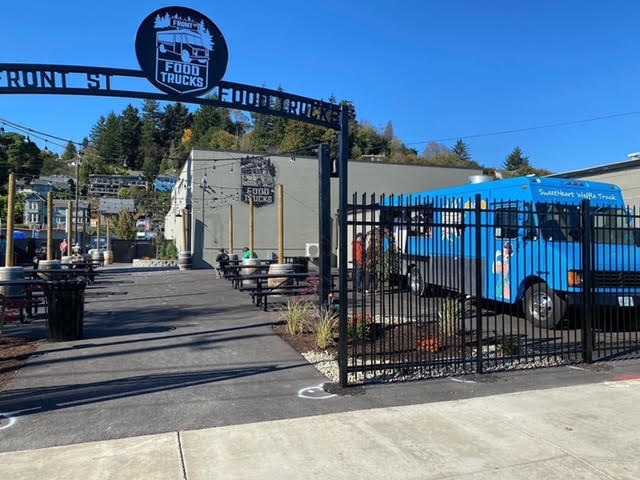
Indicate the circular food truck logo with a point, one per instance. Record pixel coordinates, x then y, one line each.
181 51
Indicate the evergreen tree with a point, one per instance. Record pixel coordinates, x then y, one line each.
302 138
388 131
173 122
150 142
107 138
462 151
131 131
123 226
70 151
516 161
52 164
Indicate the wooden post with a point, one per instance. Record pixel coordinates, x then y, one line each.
230 229
184 230
250 227
50 255
69 226
280 223
8 262
98 231
108 236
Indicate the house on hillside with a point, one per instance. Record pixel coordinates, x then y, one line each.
35 211
110 185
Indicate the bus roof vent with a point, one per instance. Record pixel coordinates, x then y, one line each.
480 178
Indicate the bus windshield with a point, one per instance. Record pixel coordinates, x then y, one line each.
563 223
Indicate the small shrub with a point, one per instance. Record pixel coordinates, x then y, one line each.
450 312
171 251
324 328
510 345
359 327
297 316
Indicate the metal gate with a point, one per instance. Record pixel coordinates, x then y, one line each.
447 286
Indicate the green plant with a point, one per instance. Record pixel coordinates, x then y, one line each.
450 312
297 316
359 327
324 327
171 251
510 345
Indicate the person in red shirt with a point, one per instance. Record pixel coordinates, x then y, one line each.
63 247
358 262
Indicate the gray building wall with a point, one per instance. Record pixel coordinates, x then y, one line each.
624 174
209 221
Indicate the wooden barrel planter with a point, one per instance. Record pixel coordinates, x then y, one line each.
44 265
12 273
108 257
279 268
185 261
249 271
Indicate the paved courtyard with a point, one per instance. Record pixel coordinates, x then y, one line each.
167 351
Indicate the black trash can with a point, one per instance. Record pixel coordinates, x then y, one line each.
65 305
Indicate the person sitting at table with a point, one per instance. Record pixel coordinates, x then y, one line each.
248 254
222 262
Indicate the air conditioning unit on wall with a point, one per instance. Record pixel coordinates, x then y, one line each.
312 250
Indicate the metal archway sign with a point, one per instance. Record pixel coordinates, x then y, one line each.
184 54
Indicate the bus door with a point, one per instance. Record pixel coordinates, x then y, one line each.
507 248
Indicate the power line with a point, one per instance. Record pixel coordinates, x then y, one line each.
37 132
526 129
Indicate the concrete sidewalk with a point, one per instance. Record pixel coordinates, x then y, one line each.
581 432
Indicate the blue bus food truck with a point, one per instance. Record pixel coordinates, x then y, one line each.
531 238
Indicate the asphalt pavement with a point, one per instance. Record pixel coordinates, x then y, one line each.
170 351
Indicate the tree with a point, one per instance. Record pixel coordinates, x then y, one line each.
52 164
131 130
23 157
516 161
70 152
123 226
151 150
462 151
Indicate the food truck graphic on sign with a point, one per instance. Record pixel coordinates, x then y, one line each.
183 52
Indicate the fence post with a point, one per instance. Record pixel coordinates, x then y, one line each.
587 313
343 159
478 282
324 226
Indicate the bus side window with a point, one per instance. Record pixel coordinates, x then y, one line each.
506 223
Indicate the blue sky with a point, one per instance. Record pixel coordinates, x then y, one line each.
437 70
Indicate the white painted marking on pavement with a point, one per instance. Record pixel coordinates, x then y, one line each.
576 368
459 380
12 421
315 393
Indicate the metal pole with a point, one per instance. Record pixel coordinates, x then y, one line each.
280 224
343 160
8 262
587 321
77 183
230 229
478 281
184 229
69 226
50 226
250 227
324 207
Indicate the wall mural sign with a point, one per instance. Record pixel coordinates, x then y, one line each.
257 180
181 51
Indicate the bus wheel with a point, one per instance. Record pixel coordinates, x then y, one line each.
542 306
184 55
416 283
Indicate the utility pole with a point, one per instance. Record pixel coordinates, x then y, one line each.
77 186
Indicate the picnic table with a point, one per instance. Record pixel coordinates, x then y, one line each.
261 291
20 304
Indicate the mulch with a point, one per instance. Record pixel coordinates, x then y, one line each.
14 352
300 343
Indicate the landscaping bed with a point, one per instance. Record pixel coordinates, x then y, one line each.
14 352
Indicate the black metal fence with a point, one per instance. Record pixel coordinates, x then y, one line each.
459 285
